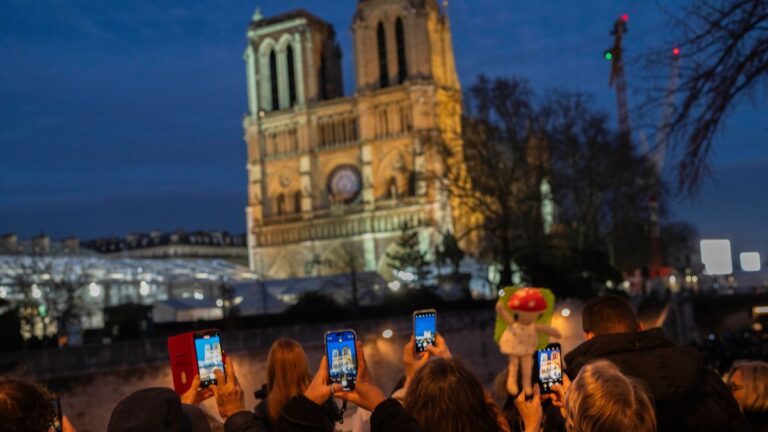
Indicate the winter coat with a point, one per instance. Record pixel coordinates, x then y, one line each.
302 415
156 409
687 395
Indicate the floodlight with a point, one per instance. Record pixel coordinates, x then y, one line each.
750 261
716 256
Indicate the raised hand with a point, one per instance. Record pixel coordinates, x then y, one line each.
367 394
320 389
440 349
196 395
530 410
412 361
230 398
558 394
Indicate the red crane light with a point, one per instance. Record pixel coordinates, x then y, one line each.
675 51
625 17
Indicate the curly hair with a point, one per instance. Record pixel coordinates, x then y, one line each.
24 406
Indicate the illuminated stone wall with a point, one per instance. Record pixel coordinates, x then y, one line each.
330 175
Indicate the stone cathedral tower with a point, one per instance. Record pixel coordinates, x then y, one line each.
332 176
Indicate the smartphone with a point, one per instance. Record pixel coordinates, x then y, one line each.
424 328
56 423
548 367
209 356
341 351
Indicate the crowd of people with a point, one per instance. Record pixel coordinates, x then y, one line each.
622 378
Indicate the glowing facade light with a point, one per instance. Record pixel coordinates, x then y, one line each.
219 303
394 285
716 256
750 261
36 293
386 334
143 288
94 290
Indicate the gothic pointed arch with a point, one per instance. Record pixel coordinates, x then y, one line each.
291 76
274 90
381 41
402 67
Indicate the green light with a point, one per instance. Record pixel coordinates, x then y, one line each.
608 55
42 310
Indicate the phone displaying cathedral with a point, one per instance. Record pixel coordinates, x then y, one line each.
332 176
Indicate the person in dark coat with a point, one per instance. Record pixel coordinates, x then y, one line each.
306 412
748 381
687 395
156 410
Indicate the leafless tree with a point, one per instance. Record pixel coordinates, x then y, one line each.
724 45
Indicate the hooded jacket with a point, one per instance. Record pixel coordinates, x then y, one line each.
687 395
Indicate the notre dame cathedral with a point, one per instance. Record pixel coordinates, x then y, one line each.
334 179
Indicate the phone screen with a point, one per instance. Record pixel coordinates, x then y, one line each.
209 357
550 367
342 357
424 329
56 423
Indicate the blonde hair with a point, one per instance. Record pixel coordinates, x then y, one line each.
754 375
601 398
287 374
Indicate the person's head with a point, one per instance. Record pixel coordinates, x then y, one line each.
156 409
608 314
24 406
287 374
601 398
748 381
444 396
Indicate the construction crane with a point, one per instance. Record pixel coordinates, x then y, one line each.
615 55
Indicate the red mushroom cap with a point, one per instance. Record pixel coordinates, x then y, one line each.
527 300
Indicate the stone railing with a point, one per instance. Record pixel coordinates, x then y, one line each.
346 225
74 361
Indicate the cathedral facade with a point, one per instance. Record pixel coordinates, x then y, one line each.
332 180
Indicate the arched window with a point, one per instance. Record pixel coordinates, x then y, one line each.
291 77
402 69
281 204
382 42
297 202
273 80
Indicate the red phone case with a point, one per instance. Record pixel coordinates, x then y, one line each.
181 351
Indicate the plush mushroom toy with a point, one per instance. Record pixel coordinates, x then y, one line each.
520 338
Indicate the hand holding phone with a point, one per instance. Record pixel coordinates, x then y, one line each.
209 356
341 351
424 328
57 422
548 367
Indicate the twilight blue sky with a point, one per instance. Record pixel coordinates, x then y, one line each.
125 116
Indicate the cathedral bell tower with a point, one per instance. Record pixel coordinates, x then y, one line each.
333 180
